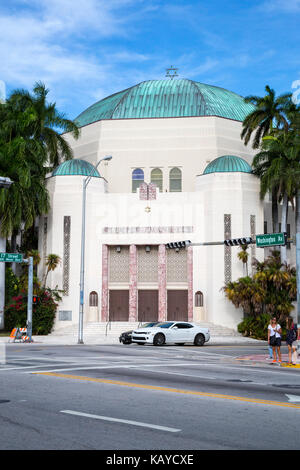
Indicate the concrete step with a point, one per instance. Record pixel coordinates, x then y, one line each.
116 328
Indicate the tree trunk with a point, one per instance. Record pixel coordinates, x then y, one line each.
13 249
298 253
298 212
274 212
284 226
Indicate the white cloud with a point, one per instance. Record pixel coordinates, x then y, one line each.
290 6
50 41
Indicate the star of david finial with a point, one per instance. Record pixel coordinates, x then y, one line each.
171 72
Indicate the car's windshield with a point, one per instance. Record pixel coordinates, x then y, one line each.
164 325
148 325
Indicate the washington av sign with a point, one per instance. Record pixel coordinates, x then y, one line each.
271 239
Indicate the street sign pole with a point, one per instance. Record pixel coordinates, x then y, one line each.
29 297
5 258
298 275
2 283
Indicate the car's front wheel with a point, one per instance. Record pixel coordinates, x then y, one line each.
159 339
199 340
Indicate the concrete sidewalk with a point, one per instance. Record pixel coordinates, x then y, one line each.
69 340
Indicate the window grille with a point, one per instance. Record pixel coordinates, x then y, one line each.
93 299
175 180
137 179
199 299
157 178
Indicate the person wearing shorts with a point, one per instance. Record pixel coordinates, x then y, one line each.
274 338
292 334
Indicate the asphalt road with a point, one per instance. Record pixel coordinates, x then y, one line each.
143 397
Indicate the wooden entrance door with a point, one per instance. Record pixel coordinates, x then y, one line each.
178 305
147 305
118 305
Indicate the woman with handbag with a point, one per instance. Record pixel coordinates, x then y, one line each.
274 338
270 347
291 340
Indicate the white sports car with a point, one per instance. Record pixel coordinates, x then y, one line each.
171 332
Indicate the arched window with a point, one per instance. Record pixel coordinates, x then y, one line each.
93 299
137 179
199 299
175 180
157 178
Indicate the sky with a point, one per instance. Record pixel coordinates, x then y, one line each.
85 50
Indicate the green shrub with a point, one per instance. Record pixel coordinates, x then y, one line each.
255 327
11 284
43 314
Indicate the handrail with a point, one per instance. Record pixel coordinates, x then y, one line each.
108 324
142 321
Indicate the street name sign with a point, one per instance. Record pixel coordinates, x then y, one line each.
271 239
11 257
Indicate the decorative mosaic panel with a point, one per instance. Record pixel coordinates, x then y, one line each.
227 249
148 264
143 191
177 266
253 233
162 283
66 254
119 264
152 188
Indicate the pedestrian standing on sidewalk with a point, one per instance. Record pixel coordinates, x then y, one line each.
270 347
274 338
291 340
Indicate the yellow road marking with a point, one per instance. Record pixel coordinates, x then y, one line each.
293 366
173 390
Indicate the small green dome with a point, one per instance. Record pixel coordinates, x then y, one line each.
228 164
76 167
165 99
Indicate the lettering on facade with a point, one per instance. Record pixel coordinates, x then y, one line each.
148 229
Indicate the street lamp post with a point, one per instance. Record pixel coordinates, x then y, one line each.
4 183
82 258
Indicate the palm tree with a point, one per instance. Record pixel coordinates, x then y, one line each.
243 255
269 113
52 261
30 146
45 122
279 169
295 118
272 289
261 164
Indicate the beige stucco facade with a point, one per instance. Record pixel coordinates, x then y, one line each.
188 143
116 217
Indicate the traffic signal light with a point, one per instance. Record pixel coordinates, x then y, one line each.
238 241
176 245
35 299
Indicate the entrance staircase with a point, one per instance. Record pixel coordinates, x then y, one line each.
110 332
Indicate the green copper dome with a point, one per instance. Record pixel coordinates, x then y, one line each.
76 167
228 164
167 98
